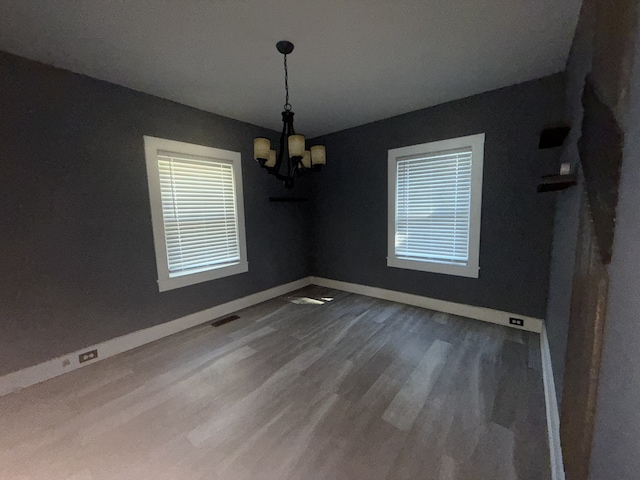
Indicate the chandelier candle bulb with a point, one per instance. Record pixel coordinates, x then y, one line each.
306 159
271 162
318 155
296 145
261 147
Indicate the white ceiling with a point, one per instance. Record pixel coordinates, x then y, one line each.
354 61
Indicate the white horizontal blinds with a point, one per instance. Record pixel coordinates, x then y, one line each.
433 207
199 211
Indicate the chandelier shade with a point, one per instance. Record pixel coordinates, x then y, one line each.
293 159
261 147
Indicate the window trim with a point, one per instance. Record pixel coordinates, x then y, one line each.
166 282
476 142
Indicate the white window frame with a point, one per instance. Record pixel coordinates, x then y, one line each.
166 281
471 269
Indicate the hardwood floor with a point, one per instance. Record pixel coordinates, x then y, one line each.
356 388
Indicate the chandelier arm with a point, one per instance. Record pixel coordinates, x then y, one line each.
288 179
283 142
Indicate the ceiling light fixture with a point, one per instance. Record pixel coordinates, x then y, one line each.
297 161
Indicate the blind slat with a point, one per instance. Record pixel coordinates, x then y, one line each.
199 211
433 199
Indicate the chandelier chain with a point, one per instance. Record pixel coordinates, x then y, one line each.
287 105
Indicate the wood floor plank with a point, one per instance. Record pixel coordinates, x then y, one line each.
353 388
408 403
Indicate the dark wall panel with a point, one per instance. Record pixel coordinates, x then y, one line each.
617 430
350 223
77 264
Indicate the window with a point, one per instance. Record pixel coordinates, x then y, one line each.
435 195
197 212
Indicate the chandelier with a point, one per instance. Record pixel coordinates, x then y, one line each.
293 159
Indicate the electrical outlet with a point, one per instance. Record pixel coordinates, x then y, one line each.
516 321
565 168
86 356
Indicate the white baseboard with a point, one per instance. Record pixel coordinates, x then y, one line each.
52 368
553 416
479 313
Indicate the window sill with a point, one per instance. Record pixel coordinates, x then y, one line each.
165 284
469 271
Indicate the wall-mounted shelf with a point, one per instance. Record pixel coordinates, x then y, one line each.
552 183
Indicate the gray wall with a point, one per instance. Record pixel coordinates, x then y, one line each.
616 440
350 223
77 264
617 432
